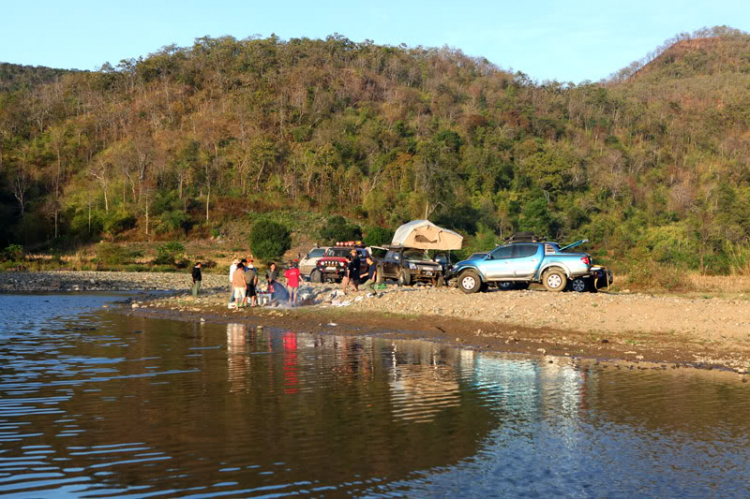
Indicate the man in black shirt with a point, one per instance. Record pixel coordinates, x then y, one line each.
197 277
352 272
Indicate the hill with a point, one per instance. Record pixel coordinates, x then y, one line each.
650 164
16 76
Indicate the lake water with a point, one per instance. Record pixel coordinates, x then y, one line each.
97 404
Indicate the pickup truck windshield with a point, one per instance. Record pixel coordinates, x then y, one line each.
416 255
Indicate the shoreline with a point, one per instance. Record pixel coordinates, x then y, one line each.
629 328
650 353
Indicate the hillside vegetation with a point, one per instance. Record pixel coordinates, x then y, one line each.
651 164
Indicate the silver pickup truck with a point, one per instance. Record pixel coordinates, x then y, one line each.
516 265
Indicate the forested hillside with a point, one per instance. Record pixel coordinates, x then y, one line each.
16 76
652 163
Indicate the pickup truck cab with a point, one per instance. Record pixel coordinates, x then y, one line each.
521 264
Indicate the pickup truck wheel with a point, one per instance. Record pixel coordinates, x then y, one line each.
579 285
506 285
404 279
469 282
555 280
316 276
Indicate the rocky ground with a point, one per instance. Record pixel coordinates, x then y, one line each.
35 282
631 326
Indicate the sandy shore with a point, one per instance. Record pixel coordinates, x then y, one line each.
632 327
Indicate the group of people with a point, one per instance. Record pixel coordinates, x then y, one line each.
244 279
354 273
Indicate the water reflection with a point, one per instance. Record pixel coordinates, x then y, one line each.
109 405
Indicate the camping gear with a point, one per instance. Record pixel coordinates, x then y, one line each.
423 234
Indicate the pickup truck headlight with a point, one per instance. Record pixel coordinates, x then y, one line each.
412 266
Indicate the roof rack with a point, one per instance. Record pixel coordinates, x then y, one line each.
524 237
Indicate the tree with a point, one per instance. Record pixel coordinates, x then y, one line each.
269 240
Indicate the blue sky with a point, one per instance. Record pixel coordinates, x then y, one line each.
572 40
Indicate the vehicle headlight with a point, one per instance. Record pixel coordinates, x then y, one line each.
412 266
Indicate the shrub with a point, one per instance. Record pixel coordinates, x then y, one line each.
169 253
119 220
269 240
115 254
13 253
378 236
336 229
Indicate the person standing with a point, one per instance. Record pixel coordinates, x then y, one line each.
272 274
353 272
292 276
251 279
238 284
232 268
197 278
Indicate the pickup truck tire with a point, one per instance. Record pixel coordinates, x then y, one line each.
579 285
554 280
506 285
404 279
379 278
469 282
316 276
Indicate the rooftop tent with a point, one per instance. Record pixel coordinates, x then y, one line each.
423 234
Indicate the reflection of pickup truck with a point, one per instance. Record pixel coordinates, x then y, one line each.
518 264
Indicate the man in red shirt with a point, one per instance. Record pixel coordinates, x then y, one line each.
292 276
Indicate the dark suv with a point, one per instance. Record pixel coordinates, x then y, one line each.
408 265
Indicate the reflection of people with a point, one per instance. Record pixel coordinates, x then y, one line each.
238 284
292 275
197 277
237 360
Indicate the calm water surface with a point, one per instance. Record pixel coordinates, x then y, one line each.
97 404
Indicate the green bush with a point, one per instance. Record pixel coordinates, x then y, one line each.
169 253
269 240
119 220
115 254
378 236
13 253
336 229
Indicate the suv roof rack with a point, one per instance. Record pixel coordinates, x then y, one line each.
524 237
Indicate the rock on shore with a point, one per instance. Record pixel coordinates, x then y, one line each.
36 282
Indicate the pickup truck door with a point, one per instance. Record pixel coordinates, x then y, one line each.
499 263
527 259
389 264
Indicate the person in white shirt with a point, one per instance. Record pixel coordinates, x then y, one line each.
232 268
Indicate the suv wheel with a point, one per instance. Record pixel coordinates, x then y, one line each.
578 285
555 280
469 282
506 285
316 276
404 279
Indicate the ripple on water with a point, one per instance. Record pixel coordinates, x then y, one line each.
208 410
